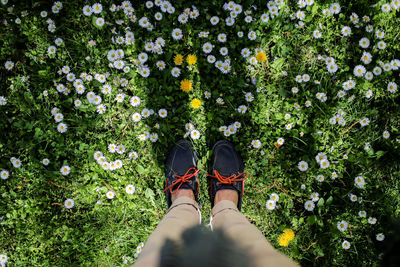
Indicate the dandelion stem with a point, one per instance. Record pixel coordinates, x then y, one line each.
109 187
277 186
351 126
52 183
312 244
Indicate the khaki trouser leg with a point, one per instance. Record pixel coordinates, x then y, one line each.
226 216
183 213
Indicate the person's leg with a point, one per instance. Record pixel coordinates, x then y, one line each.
226 181
226 216
181 191
183 213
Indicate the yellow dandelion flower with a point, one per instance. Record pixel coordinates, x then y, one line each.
289 233
285 238
195 103
191 59
178 59
261 57
283 241
186 86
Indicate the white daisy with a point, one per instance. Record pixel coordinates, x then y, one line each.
252 35
342 226
386 8
177 34
69 203
392 87
245 52
97 8
160 65
242 109
249 97
211 59
314 197
130 189
309 205
153 137
364 42
280 141
65 170
364 121
4 174
175 72
3 259
346 31
207 47
270 204
274 197
162 113
195 134
62 127
386 134
353 197
145 72
359 70
380 237
346 244
51 50
366 57
381 45
256 143
110 194
320 178
214 20
317 34
222 37
100 22
359 181
135 101
136 117
264 17
324 164
302 165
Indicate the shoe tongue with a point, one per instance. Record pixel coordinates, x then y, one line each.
183 186
226 165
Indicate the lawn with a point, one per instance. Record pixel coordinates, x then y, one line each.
94 94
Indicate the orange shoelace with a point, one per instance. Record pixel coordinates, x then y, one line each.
228 180
182 179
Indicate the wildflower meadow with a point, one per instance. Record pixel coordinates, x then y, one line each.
94 94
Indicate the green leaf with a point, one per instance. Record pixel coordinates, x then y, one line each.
277 64
314 10
140 169
321 202
42 73
311 219
149 193
329 200
380 153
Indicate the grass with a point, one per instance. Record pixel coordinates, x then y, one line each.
36 227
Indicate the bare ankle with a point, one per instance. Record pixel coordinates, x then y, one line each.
182 193
226 194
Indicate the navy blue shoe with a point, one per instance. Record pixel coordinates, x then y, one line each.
181 170
227 171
